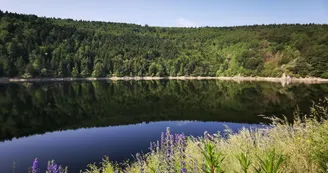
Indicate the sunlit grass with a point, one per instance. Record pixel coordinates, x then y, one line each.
300 146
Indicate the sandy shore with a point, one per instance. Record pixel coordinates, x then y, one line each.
235 78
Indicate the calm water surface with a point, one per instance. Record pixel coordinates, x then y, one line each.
77 123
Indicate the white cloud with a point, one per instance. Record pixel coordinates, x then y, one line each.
181 22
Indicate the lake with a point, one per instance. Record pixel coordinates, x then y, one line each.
77 123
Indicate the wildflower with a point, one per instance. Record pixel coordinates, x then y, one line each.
299 138
152 148
182 147
168 137
172 149
162 141
52 167
157 146
171 145
308 141
141 163
35 166
183 170
168 143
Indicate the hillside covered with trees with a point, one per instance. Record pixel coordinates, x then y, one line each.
32 46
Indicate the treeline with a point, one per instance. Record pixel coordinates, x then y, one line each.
32 46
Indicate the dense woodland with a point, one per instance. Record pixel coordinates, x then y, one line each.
32 46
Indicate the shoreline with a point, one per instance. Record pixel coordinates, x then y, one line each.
308 80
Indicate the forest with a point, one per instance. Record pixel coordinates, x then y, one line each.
34 47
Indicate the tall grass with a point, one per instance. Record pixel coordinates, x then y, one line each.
300 146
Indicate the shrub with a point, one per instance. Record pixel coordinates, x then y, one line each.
324 75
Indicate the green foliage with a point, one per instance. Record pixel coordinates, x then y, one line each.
318 141
270 163
98 70
75 72
213 158
26 75
244 161
43 72
68 48
253 63
106 166
324 75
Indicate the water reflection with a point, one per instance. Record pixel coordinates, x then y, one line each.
28 109
80 122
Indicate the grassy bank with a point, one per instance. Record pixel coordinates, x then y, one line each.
281 147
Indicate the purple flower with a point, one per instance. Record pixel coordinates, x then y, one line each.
53 168
141 163
168 150
152 147
176 138
162 141
171 145
157 147
171 151
168 135
35 166
183 170
182 148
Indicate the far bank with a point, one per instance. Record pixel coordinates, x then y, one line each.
284 79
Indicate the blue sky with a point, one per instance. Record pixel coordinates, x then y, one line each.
178 12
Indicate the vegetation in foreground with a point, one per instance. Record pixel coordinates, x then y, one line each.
282 147
32 46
